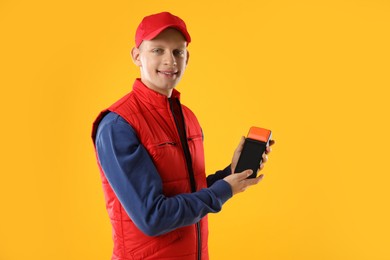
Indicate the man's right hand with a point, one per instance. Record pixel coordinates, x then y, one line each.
239 182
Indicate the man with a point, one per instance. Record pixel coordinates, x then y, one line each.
150 152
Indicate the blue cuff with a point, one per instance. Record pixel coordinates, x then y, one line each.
222 190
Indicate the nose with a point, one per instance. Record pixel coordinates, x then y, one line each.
169 59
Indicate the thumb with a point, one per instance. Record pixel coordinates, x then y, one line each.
240 144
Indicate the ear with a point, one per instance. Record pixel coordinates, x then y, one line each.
188 57
135 55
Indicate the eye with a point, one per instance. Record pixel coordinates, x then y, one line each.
178 53
157 51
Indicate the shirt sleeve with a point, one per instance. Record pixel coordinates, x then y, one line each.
219 175
138 186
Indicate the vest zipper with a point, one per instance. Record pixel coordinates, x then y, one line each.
187 155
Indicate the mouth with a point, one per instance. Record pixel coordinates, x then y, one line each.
168 73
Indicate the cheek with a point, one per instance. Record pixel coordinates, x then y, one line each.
143 62
183 66
150 64
145 65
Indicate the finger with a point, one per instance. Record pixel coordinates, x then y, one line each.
264 158
259 178
269 149
261 167
250 182
243 175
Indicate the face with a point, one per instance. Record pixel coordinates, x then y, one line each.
162 61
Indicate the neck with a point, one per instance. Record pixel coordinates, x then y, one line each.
165 92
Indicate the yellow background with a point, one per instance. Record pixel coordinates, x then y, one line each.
315 72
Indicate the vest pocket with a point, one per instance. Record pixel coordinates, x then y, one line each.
155 244
168 158
194 138
166 144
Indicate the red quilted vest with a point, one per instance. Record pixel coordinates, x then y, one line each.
148 112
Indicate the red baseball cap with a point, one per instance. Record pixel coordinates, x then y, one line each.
154 24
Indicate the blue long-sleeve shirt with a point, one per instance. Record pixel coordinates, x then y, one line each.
123 158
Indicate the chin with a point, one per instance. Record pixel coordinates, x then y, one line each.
169 86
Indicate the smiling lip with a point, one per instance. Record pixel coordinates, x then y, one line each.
168 72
